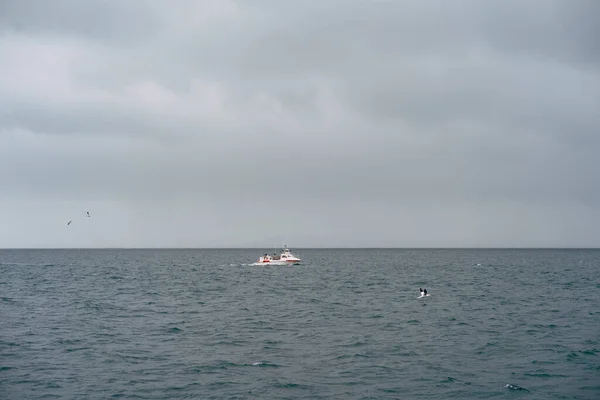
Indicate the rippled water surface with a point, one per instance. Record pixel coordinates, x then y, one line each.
346 324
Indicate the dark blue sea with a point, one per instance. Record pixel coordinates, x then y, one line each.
345 324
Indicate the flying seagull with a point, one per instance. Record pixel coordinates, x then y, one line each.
69 223
88 214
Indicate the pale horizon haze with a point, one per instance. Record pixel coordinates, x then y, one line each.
325 123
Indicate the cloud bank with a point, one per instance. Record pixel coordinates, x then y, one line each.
330 123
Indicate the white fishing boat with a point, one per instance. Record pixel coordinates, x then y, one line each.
285 258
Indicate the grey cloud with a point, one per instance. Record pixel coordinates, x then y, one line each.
93 120
105 21
414 116
553 30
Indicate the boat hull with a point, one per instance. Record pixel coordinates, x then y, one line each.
276 262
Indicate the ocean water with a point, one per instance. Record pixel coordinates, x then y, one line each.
346 324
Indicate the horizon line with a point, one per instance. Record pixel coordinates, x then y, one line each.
303 248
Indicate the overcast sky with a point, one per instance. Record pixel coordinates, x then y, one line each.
433 123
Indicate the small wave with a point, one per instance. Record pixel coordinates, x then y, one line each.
291 386
545 375
68 341
222 365
542 362
264 364
391 390
7 300
355 344
214 367
70 350
356 355
594 388
175 388
10 344
229 343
